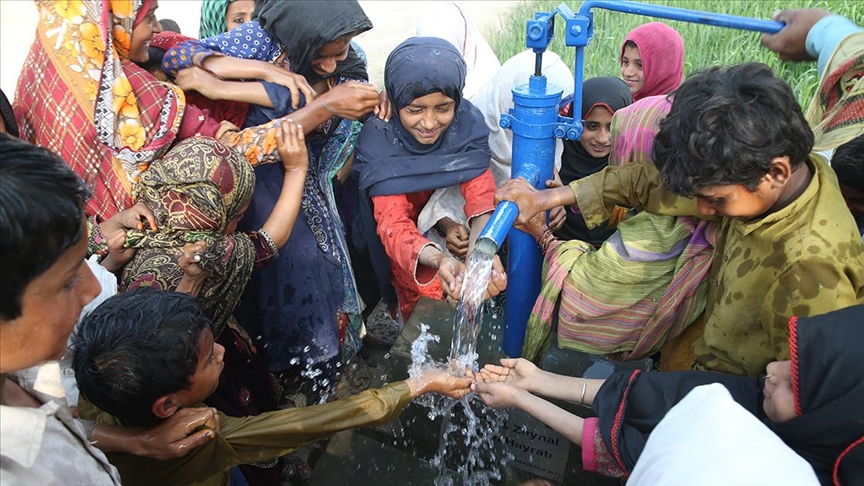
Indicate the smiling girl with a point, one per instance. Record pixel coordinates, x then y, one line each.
652 60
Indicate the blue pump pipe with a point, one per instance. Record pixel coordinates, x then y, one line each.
535 124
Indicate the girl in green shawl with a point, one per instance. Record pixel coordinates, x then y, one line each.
218 16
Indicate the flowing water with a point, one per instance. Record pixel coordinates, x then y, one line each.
469 311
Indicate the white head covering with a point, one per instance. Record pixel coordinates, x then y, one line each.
494 99
452 22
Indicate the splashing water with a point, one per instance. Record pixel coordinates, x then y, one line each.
470 440
469 311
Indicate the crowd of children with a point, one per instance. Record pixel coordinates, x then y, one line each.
708 219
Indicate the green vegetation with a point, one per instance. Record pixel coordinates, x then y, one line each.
704 45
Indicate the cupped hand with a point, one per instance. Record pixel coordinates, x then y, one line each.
451 273
351 100
513 371
497 395
438 381
291 144
789 43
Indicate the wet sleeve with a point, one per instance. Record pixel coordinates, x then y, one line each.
479 194
399 234
632 186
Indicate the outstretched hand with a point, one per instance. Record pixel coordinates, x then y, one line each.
789 43
513 371
525 195
438 381
497 395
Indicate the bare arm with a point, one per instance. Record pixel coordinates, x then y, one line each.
295 160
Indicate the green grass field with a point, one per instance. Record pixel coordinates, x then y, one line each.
704 45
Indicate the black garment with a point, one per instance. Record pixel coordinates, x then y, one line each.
389 160
304 27
577 163
828 384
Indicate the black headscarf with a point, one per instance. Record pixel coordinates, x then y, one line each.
304 27
390 161
827 378
577 163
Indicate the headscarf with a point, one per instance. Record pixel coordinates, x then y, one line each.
80 96
494 99
451 22
194 192
607 92
634 128
388 158
662 51
576 163
836 112
304 27
827 384
828 388
8 115
213 17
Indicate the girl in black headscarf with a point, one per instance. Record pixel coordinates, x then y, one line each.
812 401
435 139
601 98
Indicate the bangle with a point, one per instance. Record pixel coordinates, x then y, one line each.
546 239
582 398
269 242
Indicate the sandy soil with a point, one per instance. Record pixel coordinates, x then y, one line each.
394 22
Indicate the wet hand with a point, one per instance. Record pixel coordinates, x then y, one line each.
457 240
498 282
789 43
190 260
524 195
513 371
441 382
177 436
497 395
351 100
291 144
295 83
450 273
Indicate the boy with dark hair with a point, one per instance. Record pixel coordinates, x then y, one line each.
143 355
45 284
735 147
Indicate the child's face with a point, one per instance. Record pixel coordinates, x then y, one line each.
427 117
239 12
631 69
736 201
143 34
779 402
50 306
595 137
332 53
206 377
